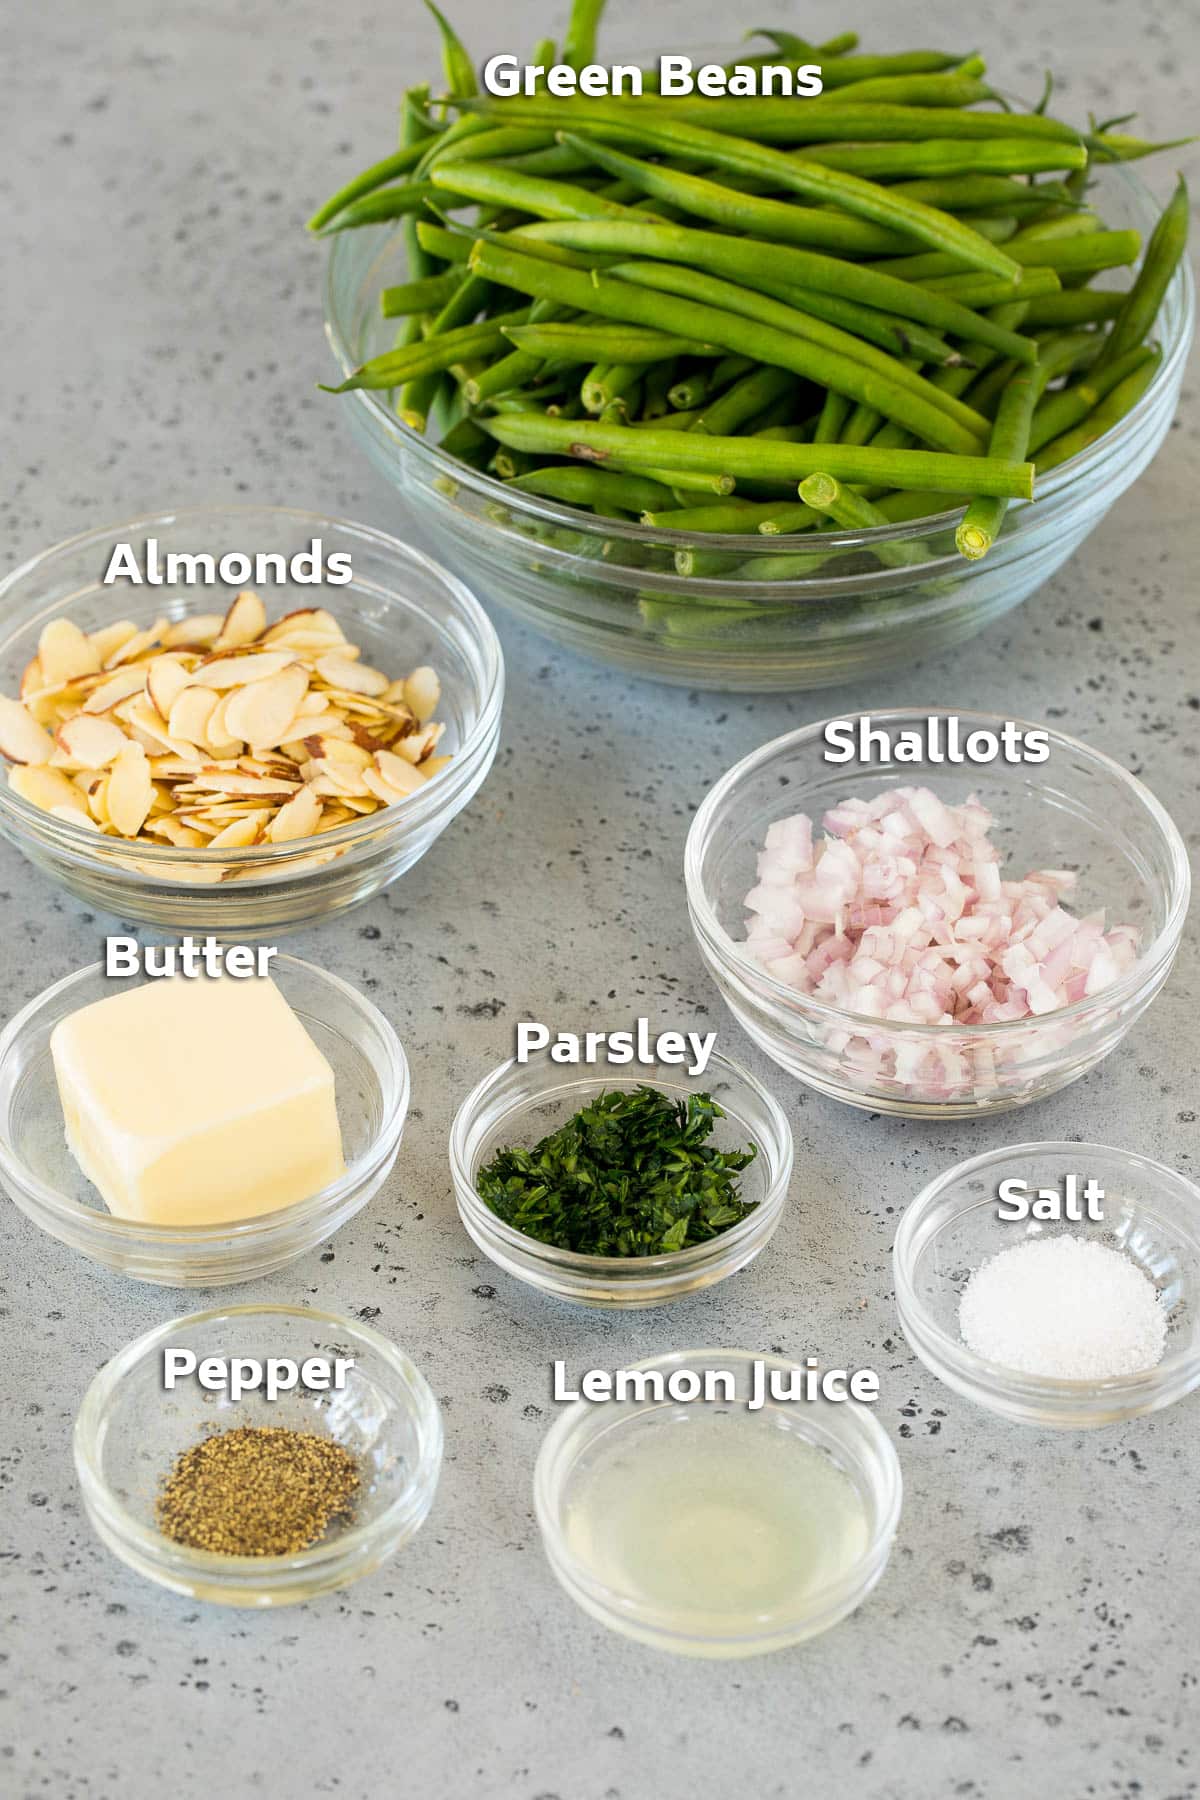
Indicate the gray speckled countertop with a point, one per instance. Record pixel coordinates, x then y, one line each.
1036 1631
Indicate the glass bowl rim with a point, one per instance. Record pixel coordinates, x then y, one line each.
879 1450
105 1384
984 1374
420 809
395 1087
713 935
617 1268
1057 484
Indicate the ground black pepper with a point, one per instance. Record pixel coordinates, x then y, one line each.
257 1490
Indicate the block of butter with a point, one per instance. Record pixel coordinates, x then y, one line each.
197 1101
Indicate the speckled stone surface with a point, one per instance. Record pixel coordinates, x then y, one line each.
1036 1632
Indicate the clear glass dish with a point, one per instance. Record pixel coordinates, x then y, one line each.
1150 1212
519 1104
1078 810
130 1430
589 1437
400 607
43 1178
753 621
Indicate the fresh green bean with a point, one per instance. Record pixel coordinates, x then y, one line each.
980 525
862 425
756 264
834 118
977 193
745 399
950 156
1078 306
1090 251
730 369
544 198
587 341
899 337
691 390
1163 252
384 204
689 481
761 459
834 414
420 295
1060 412
853 513
607 119
691 287
440 352
377 176
602 489
1102 418
456 64
579 43
729 516
978 291
723 204
468 442
447 246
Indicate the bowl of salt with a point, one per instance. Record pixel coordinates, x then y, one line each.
1056 1284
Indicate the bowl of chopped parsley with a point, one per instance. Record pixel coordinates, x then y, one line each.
616 1186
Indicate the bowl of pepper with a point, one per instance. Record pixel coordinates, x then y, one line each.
608 387
617 1188
256 1501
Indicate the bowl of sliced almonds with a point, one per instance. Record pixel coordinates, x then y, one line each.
208 756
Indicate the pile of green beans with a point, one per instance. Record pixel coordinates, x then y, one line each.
764 316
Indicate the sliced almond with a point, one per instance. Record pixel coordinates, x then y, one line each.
306 623
74 816
96 795
137 645
166 678
130 790
261 713
419 744
339 750
352 677
202 629
227 781
46 787
118 687
422 691
65 652
239 834
182 836
89 742
235 671
190 714
245 621
22 739
298 819
434 766
398 773
111 638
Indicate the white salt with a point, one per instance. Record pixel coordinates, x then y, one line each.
1066 1307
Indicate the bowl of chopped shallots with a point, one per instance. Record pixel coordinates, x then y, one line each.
963 916
191 751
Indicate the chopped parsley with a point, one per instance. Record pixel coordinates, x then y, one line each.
632 1174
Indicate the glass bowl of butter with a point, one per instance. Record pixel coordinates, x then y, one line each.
290 1380
197 1131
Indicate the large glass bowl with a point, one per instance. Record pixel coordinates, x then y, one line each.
129 1432
1078 810
404 612
753 621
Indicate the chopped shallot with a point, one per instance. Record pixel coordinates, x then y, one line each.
901 913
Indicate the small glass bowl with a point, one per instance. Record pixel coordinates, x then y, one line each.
130 1430
41 1175
404 612
1152 1213
755 613
522 1103
1078 810
587 1435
